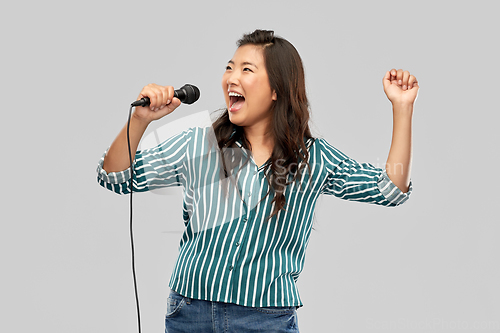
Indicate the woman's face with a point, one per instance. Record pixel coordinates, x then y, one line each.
245 83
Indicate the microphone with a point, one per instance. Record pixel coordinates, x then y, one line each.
187 94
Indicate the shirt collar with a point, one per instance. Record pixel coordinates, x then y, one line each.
238 142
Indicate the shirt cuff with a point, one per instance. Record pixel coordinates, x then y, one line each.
391 192
118 177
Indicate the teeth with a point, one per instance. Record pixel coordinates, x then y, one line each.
235 94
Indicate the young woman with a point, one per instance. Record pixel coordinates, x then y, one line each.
251 182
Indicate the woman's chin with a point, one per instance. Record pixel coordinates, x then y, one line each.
234 119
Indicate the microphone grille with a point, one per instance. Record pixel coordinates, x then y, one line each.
192 92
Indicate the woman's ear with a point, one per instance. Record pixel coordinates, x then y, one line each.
275 96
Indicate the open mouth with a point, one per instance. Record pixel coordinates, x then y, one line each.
236 101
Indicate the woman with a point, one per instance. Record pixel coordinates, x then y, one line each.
251 182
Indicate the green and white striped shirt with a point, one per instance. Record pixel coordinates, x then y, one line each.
228 251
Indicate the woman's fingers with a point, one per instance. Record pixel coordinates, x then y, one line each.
163 111
386 81
159 96
412 82
399 77
168 96
394 74
161 102
402 78
165 97
406 76
153 97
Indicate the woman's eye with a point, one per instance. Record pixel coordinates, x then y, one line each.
228 68
247 69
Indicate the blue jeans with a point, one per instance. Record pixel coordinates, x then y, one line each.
193 315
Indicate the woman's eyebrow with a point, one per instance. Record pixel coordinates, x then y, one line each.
244 63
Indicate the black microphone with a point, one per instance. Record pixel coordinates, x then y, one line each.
188 94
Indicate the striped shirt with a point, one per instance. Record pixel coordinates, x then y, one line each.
229 251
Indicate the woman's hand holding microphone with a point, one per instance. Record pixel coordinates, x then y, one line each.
162 103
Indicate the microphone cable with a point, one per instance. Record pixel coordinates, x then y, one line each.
131 229
187 94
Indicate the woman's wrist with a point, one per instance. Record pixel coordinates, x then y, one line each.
402 110
140 122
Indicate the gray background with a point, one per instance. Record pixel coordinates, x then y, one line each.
70 70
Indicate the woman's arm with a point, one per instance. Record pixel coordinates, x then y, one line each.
402 89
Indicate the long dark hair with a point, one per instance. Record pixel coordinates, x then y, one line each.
290 121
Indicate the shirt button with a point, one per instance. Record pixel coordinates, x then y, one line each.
249 194
237 244
245 220
231 267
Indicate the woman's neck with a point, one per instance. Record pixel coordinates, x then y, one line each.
259 137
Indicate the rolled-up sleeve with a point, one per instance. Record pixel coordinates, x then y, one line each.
350 180
157 167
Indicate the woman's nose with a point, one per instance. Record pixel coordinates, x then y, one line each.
233 79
